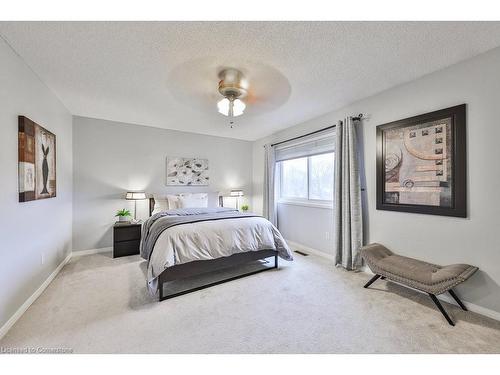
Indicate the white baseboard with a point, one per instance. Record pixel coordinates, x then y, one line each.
473 307
92 251
14 318
308 250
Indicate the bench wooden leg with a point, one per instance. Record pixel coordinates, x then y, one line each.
455 297
372 280
441 308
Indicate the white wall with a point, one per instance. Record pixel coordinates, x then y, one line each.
36 229
438 239
295 224
111 158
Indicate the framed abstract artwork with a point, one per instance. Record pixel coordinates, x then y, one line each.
37 161
421 164
187 172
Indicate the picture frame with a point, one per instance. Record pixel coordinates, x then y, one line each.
187 172
37 173
421 164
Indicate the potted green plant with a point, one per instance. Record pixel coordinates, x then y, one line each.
244 207
123 215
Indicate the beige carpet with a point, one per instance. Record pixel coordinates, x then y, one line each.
100 305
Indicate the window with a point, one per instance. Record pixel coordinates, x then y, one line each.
321 177
294 178
308 178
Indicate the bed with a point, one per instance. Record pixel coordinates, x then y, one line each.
179 243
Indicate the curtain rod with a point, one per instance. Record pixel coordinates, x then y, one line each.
357 118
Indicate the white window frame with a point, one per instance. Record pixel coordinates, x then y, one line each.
306 202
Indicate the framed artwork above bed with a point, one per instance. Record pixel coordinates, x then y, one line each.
187 172
421 164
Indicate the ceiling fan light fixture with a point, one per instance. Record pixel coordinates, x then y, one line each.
232 86
238 107
223 106
231 107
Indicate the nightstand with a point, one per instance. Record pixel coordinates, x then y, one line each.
126 239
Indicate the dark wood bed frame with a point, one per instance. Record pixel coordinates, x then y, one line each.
185 270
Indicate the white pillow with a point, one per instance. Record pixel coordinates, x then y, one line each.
202 199
161 204
173 201
193 200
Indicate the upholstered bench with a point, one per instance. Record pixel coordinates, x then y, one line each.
426 277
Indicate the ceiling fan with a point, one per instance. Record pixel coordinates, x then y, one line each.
233 86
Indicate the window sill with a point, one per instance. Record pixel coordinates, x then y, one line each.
319 204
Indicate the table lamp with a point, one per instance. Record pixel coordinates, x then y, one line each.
238 194
135 196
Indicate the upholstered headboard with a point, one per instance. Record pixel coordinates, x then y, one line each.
214 200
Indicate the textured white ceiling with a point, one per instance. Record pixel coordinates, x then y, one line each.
164 74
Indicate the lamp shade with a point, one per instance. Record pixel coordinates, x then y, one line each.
236 193
135 195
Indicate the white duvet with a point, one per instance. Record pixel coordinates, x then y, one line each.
213 239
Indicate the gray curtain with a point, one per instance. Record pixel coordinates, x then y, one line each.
348 223
269 185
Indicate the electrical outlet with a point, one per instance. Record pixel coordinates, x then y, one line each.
42 258
327 235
